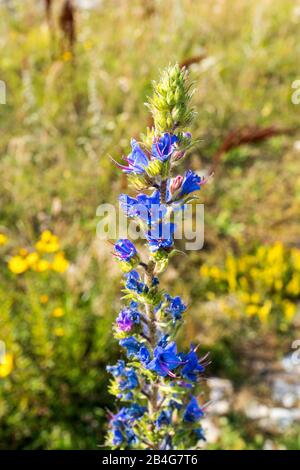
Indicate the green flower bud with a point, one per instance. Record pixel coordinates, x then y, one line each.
147 138
171 100
138 182
154 168
127 266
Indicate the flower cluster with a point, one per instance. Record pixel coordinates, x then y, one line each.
262 284
158 384
47 256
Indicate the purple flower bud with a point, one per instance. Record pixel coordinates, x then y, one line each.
176 184
127 317
124 250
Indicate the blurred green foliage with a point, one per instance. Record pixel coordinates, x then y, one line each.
66 112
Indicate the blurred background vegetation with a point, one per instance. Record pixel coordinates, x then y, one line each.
77 75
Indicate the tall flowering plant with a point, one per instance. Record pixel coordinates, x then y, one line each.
157 385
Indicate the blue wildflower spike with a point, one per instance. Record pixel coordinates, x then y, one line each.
158 385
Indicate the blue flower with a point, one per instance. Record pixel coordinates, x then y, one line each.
200 434
163 341
124 321
131 345
117 369
175 405
155 210
144 355
126 378
136 411
128 317
121 424
147 208
137 160
191 182
192 366
131 437
165 360
175 307
193 412
128 205
124 249
133 282
129 380
164 418
161 236
183 384
117 439
163 148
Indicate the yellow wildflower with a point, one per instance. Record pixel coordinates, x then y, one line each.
278 284
289 310
296 258
3 239
255 298
6 365
58 312
17 265
215 273
67 56
204 270
44 298
244 296
46 236
41 266
23 252
293 286
252 310
32 258
59 331
88 45
264 311
48 243
244 283
261 252
60 264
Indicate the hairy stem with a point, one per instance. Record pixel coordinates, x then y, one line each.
163 191
149 311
